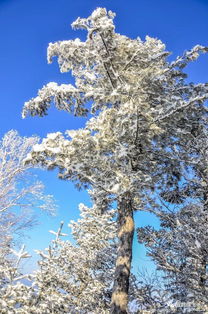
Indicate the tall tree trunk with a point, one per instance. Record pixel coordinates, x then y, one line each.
119 299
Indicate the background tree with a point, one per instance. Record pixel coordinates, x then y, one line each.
179 248
13 292
72 278
134 91
20 191
148 293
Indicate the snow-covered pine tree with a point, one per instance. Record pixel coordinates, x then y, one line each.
81 273
179 248
72 277
134 91
14 293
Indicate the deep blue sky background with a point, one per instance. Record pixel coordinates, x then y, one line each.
26 28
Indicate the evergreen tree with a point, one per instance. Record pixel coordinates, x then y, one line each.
135 95
71 278
179 248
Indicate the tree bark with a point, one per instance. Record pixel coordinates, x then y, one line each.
119 300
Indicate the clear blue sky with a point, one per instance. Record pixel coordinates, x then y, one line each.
26 28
